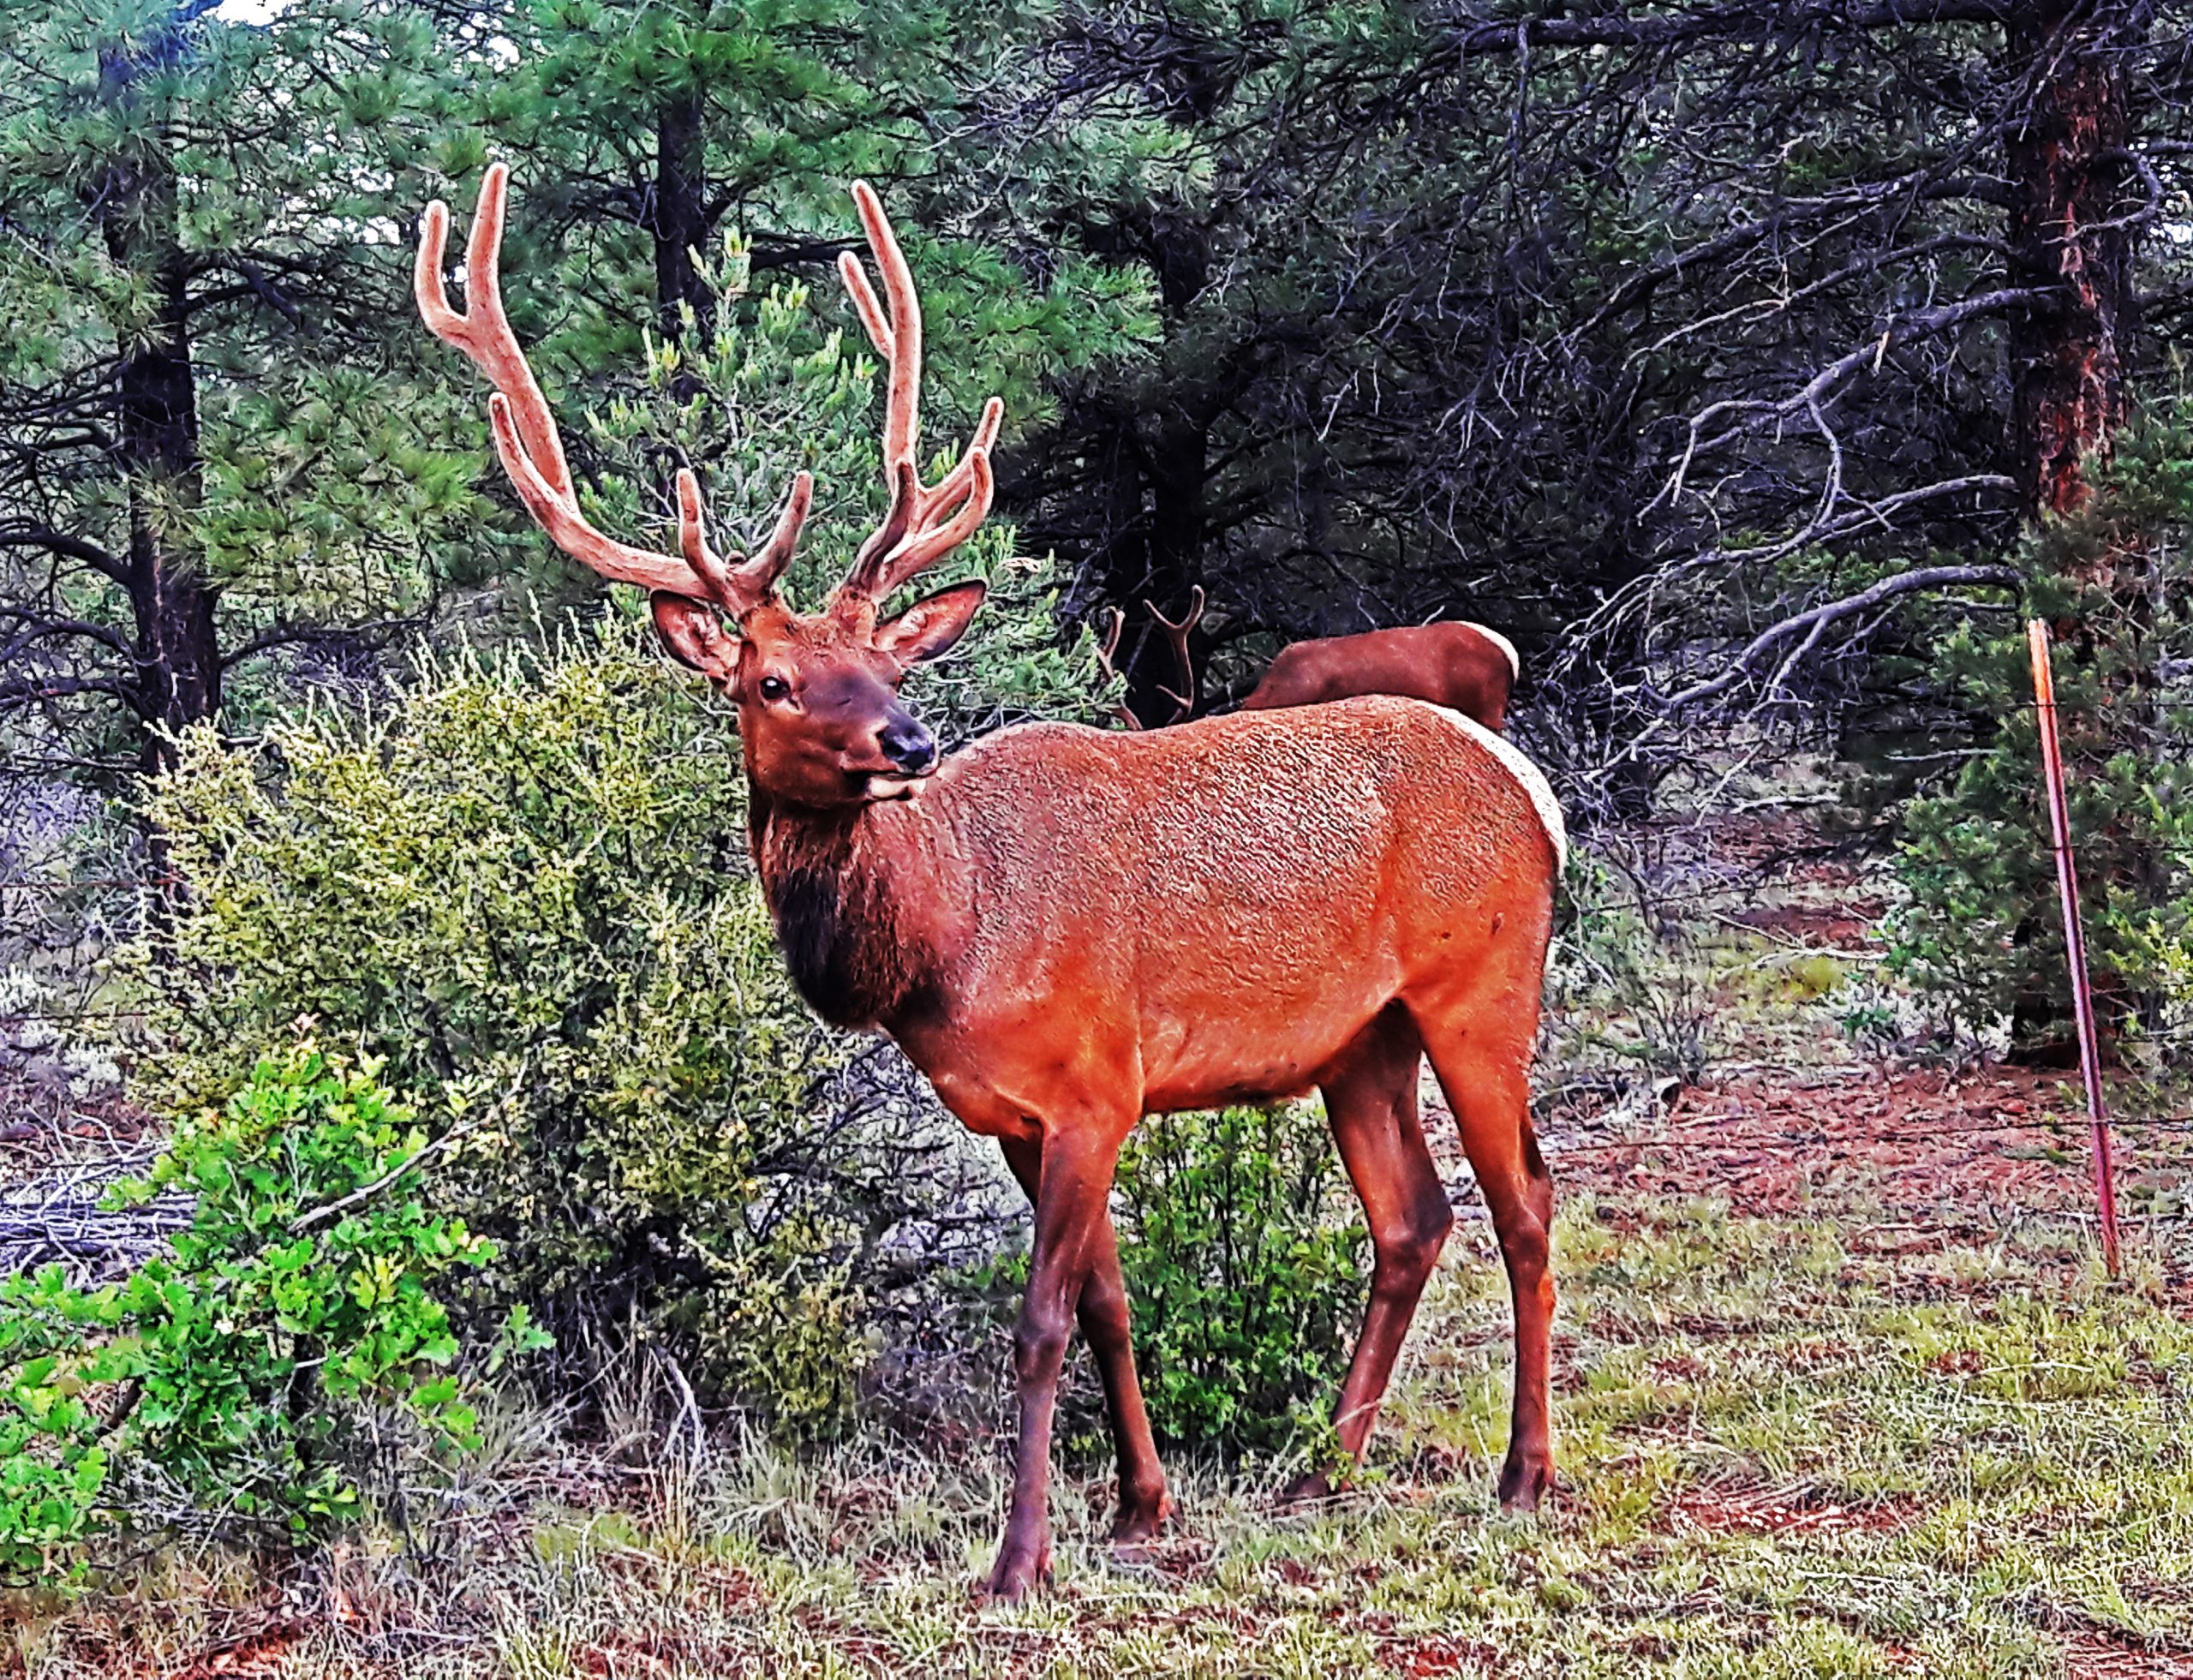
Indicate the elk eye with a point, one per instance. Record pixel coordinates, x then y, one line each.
774 688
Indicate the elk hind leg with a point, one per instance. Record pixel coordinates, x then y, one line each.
1370 1100
1481 1053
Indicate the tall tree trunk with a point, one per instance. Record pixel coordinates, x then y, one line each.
2072 231
1162 560
677 218
179 676
2068 231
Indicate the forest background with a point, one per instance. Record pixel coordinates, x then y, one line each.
1756 366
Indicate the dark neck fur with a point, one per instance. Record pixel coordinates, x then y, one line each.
852 953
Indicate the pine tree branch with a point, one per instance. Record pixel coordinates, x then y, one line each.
42 627
67 547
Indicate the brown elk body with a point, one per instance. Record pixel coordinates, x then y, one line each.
1066 928
1467 668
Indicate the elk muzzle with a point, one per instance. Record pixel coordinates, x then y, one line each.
911 747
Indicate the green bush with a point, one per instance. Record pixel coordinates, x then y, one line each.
522 890
1245 1273
229 1386
1982 935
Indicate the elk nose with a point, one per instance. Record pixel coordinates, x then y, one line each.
908 746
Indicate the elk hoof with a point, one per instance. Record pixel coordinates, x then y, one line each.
1142 1519
1525 1482
1019 1572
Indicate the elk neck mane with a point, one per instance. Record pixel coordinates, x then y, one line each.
856 908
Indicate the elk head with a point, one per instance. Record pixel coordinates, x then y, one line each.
819 712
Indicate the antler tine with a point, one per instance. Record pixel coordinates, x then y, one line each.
926 523
757 578
526 439
483 331
934 534
1178 634
900 340
1105 651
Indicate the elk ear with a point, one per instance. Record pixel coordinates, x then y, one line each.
932 624
696 637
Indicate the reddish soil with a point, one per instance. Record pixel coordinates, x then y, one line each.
1764 1510
1972 1150
260 1654
1851 926
2099 1659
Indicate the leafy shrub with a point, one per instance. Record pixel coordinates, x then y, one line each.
522 890
522 886
228 1385
1981 935
1245 1277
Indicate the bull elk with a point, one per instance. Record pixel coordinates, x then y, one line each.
1466 668
1068 929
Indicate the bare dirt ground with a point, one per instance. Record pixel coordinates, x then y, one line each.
1934 1155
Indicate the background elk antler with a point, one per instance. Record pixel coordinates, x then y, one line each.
1177 633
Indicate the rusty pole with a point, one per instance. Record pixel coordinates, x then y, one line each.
2075 939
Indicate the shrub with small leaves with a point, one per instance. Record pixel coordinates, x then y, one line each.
224 1387
1244 1266
523 888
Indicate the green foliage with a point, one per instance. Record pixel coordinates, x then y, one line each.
1245 1279
230 1384
521 888
1982 933
150 202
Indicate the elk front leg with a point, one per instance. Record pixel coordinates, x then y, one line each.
1144 1504
1072 1233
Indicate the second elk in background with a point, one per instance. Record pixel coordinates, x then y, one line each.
1464 667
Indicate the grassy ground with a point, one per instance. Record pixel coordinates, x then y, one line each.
1842 1391
1792 1446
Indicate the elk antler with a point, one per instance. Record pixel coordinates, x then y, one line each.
1116 622
1177 634
926 522
532 451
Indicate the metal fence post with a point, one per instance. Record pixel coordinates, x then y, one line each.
2075 939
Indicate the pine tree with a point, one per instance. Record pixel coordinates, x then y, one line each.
211 448
1981 932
